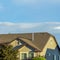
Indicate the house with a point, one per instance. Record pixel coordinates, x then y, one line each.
32 45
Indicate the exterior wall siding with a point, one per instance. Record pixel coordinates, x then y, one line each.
53 54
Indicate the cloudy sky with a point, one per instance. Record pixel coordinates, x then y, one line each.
23 16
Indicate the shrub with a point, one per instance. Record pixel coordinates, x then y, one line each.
38 58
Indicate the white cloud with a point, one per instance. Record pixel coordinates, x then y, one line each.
52 22
6 24
57 28
6 27
28 25
20 25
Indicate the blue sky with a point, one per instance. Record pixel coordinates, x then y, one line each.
21 16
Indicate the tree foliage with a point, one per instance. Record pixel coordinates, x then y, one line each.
7 53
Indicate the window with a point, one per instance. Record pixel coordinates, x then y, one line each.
54 57
49 54
24 56
19 42
31 54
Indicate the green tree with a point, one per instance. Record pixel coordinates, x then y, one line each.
8 53
38 58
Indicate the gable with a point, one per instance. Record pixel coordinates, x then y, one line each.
25 49
51 44
14 43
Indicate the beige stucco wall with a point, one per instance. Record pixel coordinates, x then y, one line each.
51 44
14 43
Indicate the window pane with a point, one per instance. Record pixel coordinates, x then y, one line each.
31 54
24 56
